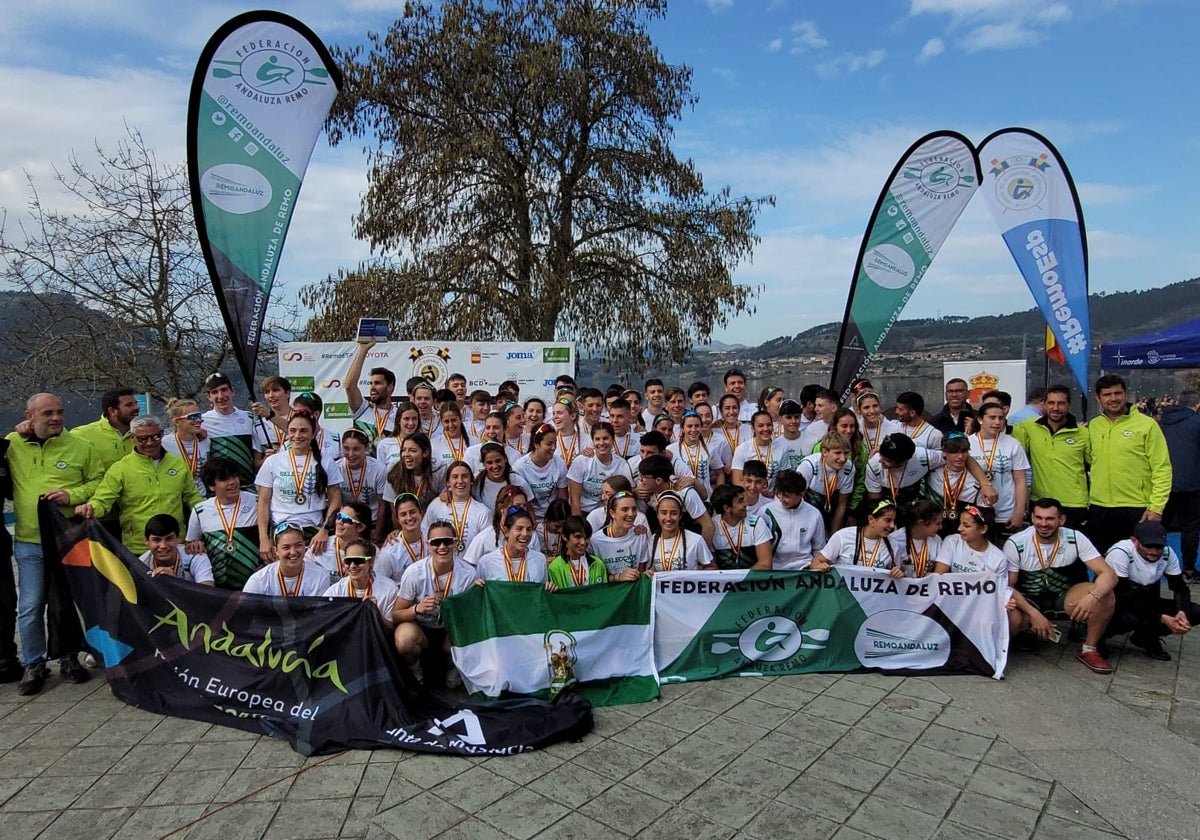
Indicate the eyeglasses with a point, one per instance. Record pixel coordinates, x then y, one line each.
441 542
148 438
347 519
195 415
287 526
355 560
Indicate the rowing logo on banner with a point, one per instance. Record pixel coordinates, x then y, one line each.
1021 181
901 639
430 363
939 176
776 638
274 75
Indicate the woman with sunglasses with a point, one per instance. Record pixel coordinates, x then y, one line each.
364 479
920 537
291 574
494 474
515 561
867 545
673 548
574 566
587 473
363 582
706 466
468 516
414 471
295 486
564 414
451 442
625 553
490 538
405 545
545 475
184 440
352 522
407 423
420 635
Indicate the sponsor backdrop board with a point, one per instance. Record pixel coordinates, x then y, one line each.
988 375
321 367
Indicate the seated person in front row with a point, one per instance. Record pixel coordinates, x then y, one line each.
1139 564
738 542
167 557
290 574
867 545
360 580
1048 564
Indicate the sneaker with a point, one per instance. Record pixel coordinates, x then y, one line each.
1155 650
453 678
10 671
1094 662
33 679
72 671
1191 576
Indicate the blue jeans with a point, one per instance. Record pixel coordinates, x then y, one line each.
31 601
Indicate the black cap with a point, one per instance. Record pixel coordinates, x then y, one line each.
1150 534
897 447
216 380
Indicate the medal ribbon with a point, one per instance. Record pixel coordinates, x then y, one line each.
462 446
460 527
668 561
737 548
989 457
366 593
950 500
862 548
519 577
229 525
299 475
829 478
568 456
1043 560
579 575
872 445
193 459
283 586
356 487
687 453
408 548
920 561
437 586
380 421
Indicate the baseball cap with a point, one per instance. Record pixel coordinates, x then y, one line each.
1150 534
216 380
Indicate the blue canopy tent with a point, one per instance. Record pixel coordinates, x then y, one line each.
1174 347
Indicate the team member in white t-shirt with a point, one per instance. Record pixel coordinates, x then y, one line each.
910 414
468 515
167 557
598 517
420 635
515 561
829 476
626 553
588 473
735 384
450 442
920 538
374 414
627 440
674 548
545 475
972 549
495 473
406 545
407 423
867 545
797 532
655 477
493 432
764 446
729 425
364 479
351 523
716 442
363 582
225 525
875 427
790 417
738 542
706 466
1048 564
1139 564
231 431
1005 465
294 486
184 441
291 574
898 470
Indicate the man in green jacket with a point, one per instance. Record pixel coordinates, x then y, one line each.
1057 447
110 437
146 482
1131 468
45 462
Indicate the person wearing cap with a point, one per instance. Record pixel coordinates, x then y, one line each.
1139 563
1048 564
1057 449
374 415
231 431
957 413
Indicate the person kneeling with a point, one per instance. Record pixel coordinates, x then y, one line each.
167 557
361 581
574 566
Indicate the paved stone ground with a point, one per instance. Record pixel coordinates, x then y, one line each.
1051 752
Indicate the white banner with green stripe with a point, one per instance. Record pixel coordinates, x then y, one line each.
518 638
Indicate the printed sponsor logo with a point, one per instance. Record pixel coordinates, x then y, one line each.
430 363
770 639
294 356
556 355
1152 357
1021 181
236 188
889 266
331 383
901 639
338 411
303 383
518 355
938 177
271 71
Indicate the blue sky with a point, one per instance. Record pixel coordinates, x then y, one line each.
810 102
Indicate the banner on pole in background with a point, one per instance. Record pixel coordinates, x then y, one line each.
750 623
260 95
1033 199
983 375
320 673
921 201
321 367
519 638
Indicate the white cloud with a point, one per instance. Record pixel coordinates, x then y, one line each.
717 6
996 24
775 45
933 48
1092 194
850 63
725 74
805 37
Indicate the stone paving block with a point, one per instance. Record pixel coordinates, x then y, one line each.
755 711
523 813
1003 819
955 717
813 683
308 819
954 831
244 821
885 818
757 773
268 752
731 732
787 694
571 784
778 819
567 750
729 806
833 709
710 696
327 781
86 760
12 734
609 721
427 771
90 824
1003 754
38 709
1185 719
149 758
790 752
119 789
398 791
28 762
11 787
814 728
176 730
1008 786
923 689
182 787
27 823
952 741
743 686
683 716
158 820
57 734
419 817
848 833
865 694
815 794
847 771
925 794
913 707
626 808
892 724
375 780
475 789
46 794
923 762
216 755
570 827
679 823
117 732
358 819
880 749
260 784
1066 806
1053 828
616 761
648 734
669 778
524 768
711 754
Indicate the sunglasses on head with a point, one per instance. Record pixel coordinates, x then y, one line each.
566 401
441 541
545 427
287 526
355 560
514 509
955 435
621 494
347 519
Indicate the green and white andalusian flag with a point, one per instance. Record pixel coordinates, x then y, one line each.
519 638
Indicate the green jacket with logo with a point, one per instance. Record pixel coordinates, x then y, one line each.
1058 459
65 462
111 446
1130 463
144 489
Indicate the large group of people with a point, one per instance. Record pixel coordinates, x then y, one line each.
440 489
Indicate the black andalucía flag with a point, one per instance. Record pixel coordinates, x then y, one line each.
319 672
